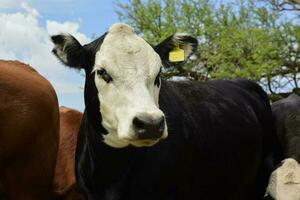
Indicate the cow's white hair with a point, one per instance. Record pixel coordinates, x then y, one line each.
133 65
284 183
61 48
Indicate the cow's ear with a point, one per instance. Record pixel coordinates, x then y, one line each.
68 50
182 40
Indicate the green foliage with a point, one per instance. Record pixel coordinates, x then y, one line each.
239 39
248 53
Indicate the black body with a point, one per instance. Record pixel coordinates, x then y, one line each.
286 114
217 148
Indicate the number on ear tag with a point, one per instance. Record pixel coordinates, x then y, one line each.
176 55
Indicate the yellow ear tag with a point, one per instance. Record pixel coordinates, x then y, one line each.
176 55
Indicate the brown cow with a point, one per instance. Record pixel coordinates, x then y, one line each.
29 133
64 181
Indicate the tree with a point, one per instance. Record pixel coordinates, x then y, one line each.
286 5
238 39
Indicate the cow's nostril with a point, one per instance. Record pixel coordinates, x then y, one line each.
138 123
147 127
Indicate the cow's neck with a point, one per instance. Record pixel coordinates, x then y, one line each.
98 159
292 148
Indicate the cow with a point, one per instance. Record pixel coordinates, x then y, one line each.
64 180
142 137
284 182
29 133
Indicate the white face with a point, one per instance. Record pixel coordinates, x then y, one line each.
131 93
284 183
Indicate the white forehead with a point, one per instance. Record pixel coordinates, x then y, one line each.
122 50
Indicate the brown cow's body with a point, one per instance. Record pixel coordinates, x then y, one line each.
29 133
64 181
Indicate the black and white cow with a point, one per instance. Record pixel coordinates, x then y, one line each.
285 180
143 138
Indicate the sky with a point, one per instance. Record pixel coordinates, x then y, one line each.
26 26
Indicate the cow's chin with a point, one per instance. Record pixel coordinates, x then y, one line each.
143 143
112 140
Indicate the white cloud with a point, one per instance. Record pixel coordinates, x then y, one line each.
54 27
23 37
6 4
29 9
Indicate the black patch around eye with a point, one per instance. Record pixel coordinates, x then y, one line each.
104 75
157 79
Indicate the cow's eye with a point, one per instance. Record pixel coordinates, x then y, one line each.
157 79
104 75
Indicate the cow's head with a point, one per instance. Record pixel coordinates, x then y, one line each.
122 82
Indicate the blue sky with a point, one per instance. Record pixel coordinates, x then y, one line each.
95 16
27 24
